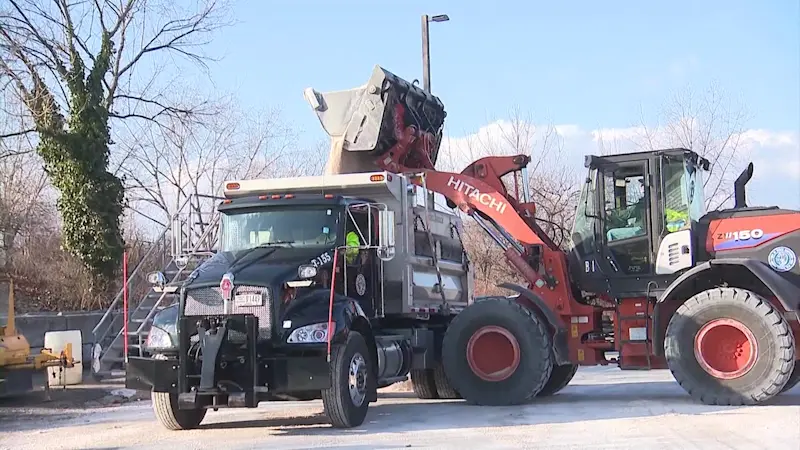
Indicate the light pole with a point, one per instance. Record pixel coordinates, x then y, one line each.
426 48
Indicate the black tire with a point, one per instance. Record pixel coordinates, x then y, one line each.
424 384
443 386
535 353
559 379
342 410
771 367
165 405
794 378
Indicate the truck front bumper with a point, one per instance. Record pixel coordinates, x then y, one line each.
263 372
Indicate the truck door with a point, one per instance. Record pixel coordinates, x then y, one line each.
362 267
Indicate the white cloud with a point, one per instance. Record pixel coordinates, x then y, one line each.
774 153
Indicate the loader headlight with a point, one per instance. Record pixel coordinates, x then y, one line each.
158 339
311 334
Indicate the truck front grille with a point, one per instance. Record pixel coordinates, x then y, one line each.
208 301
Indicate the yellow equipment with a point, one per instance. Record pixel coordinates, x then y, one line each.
16 361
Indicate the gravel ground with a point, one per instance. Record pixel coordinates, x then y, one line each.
601 408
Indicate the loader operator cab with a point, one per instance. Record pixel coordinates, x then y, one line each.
629 205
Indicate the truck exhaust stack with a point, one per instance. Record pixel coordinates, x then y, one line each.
363 122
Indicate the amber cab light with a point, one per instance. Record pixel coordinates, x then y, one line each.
329 196
376 178
275 196
232 186
288 196
262 197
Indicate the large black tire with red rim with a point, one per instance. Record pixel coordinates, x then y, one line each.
729 346
497 352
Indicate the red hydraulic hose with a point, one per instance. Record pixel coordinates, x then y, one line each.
330 303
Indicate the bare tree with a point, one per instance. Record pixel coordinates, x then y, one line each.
74 66
707 122
186 160
553 185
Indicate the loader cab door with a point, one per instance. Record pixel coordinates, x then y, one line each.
613 248
626 222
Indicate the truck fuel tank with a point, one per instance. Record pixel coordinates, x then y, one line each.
363 122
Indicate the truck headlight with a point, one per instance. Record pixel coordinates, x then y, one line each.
311 334
158 338
306 272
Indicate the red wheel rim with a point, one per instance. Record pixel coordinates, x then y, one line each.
725 348
493 353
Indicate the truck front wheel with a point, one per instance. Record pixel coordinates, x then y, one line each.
346 401
729 346
165 405
497 352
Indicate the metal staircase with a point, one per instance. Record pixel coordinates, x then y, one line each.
187 241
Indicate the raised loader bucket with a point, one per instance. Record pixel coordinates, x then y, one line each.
364 122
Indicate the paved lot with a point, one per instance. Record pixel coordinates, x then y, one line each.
602 408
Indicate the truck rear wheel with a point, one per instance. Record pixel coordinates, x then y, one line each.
497 352
165 405
424 384
728 346
559 379
346 401
794 378
443 386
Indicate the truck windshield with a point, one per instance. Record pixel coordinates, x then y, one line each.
295 226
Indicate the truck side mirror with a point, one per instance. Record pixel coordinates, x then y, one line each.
386 235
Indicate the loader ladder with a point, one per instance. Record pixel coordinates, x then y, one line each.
184 243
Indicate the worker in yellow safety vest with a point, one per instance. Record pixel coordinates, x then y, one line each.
352 242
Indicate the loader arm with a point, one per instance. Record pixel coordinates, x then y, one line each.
395 126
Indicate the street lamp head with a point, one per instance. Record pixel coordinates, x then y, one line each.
440 18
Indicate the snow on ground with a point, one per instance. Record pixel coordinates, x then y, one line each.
602 408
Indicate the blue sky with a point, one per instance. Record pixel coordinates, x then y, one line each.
587 63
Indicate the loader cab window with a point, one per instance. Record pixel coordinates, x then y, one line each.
625 205
587 214
625 218
683 197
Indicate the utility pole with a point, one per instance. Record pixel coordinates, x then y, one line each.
430 202
426 48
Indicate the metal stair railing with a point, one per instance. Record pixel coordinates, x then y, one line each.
115 304
166 292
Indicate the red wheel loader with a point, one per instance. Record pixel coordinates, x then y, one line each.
651 280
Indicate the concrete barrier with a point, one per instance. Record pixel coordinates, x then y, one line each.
34 325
